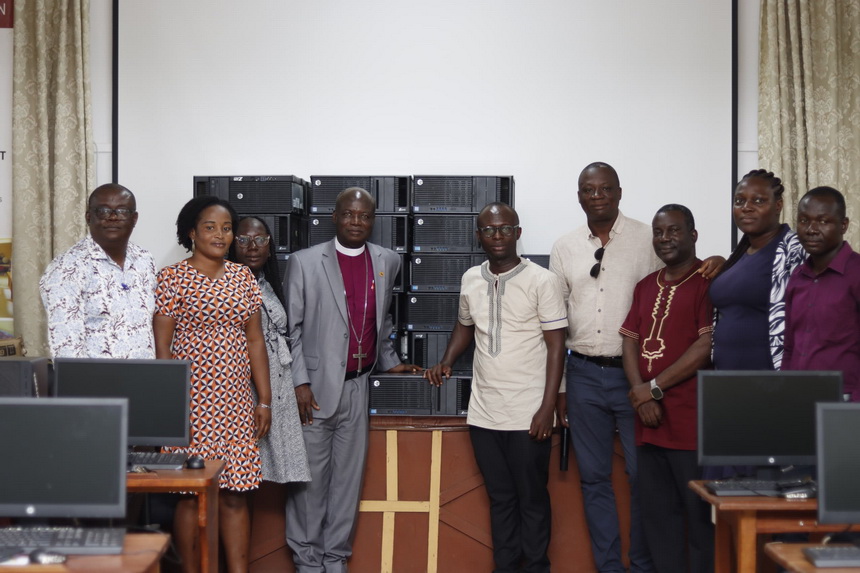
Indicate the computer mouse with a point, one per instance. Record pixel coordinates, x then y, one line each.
41 556
195 463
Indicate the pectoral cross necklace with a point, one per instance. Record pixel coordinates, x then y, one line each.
359 355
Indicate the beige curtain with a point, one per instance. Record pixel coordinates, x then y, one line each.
809 99
52 148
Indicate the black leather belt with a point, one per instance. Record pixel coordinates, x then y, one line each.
353 374
605 361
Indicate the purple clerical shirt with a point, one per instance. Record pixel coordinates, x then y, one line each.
822 319
361 304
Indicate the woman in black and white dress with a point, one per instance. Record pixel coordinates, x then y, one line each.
283 450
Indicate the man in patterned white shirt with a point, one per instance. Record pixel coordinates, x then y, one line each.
100 294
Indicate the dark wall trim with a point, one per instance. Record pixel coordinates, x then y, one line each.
115 96
734 174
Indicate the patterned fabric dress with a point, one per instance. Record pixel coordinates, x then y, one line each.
210 320
283 449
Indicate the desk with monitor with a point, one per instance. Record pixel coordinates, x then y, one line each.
158 394
766 420
838 453
739 520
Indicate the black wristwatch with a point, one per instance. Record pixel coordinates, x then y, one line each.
656 392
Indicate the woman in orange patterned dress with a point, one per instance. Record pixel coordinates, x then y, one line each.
208 312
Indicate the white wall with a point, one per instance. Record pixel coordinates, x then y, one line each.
529 89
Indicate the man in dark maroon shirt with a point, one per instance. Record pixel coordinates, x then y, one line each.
822 300
666 340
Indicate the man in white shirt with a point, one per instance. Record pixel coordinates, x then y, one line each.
514 312
100 294
599 265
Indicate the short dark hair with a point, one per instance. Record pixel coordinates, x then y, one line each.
825 191
774 182
270 270
189 215
601 165
688 215
107 187
502 207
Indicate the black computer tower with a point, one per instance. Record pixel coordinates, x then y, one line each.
432 312
401 395
275 194
459 194
391 193
454 396
440 273
25 377
445 234
289 233
389 231
427 348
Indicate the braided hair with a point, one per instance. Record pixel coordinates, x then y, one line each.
774 183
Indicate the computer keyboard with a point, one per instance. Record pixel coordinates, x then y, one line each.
66 540
157 460
833 555
743 487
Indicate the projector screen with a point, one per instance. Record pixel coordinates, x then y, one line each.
536 90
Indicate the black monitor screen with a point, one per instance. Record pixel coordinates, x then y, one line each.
761 418
157 391
62 457
838 463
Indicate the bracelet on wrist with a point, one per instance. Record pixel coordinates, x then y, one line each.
266 406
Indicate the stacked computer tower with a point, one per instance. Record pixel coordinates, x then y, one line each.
444 246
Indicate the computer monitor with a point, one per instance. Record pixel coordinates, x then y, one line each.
157 392
761 418
62 457
838 441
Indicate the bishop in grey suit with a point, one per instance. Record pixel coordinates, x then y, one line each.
338 294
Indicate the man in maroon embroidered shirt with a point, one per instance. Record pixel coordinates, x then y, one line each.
666 340
822 300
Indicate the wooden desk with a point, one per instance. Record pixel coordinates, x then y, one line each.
141 553
740 519
204 483
790 556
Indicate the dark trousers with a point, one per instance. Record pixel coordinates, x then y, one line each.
673 513
516 470
597 407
